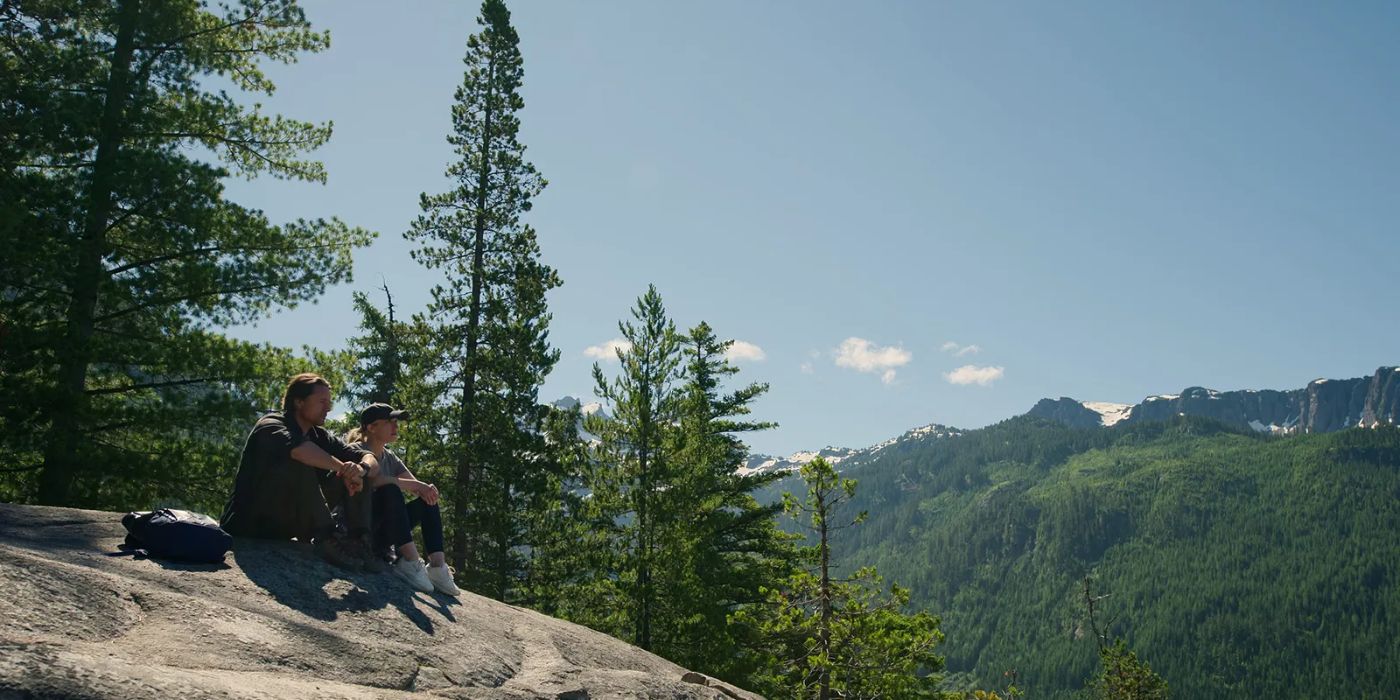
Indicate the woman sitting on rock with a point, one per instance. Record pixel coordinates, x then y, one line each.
394 519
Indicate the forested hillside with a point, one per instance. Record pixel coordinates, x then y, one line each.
1235 564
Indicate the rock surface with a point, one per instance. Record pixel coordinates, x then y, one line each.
81 620
1067 411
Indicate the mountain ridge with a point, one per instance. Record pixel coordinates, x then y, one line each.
1322 406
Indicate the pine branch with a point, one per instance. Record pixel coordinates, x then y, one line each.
168 301
153 385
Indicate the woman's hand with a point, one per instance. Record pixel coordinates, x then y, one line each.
427 492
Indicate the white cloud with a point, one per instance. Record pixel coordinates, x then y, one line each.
742 351
807 368
960 350
862 355
972 374
607 351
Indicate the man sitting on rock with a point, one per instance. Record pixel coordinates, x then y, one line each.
293 473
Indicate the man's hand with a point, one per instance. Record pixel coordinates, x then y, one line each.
353 476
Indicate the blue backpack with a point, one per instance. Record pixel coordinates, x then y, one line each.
177 534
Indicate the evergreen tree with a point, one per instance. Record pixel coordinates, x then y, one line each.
722 547
838 637
557 566
525 479
1122 676
633 469
489 322
524 483
111 169
380 360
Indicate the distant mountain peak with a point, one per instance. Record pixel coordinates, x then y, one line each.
842 457
1324 405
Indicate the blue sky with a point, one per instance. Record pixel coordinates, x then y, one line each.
1108 200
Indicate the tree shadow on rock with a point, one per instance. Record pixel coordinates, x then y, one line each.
296 578
57 530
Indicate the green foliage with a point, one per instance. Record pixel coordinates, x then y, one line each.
1124 677
833 637
1247 564
118 384
633 470
380 352
488 342
559 560
723 547
671 538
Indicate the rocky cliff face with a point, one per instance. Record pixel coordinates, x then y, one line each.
1276 408
1067 411
1324 405
275 622
1382 403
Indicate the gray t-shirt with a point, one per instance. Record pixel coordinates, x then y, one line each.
390 465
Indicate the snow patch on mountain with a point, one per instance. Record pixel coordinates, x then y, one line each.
844 456
758 463
1109 413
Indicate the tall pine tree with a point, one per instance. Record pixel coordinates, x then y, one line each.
633 468
111 183
722 547
489 322
675 542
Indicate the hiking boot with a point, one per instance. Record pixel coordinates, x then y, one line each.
441 576
334 550
415 574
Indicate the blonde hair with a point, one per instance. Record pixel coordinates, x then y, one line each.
355 435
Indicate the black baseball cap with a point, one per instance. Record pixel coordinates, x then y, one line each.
380 411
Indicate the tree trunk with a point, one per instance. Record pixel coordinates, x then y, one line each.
645 526
503 539
824 639
644 536
468 424
70 404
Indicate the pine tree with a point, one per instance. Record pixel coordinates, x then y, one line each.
557 564
834 637
1122 675
380 352
722 547
489 322
526 477
633 468
113 368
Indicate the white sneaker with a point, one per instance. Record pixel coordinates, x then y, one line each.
441 576
413 572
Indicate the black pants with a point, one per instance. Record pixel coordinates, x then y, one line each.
394 520
297 501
